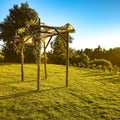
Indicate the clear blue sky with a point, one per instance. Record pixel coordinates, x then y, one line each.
97 22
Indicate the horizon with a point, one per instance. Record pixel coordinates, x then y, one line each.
96 22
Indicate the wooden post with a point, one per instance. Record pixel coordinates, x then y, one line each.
38 67
67 58
39 58
22 62
67 52
45 61
45 47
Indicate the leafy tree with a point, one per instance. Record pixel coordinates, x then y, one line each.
113 55
75 57
19 17
29 52
89 52
72 54
49 55
84 59
97 53
80 59
59 51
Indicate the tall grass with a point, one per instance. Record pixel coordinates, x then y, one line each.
91 95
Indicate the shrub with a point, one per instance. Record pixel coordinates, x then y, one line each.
101 63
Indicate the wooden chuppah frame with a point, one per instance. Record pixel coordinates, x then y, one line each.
58 31
48 32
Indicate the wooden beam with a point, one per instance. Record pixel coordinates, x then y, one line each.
38 61
45 70
63 39
48 42
27 39
67 53
22 62
67 59
53 27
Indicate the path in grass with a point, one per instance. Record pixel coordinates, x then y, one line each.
91 94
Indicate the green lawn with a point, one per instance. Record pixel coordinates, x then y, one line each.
91 95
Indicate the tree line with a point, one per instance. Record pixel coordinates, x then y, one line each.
83 57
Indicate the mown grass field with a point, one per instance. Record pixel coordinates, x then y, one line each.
91 95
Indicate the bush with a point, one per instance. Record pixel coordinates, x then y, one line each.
101 63
81 60
115 69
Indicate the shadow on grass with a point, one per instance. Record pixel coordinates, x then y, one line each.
28 93
112 79
97 73
15 82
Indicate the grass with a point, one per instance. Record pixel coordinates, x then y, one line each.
91 95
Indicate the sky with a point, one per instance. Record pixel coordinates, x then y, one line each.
97 22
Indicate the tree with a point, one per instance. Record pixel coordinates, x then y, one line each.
97 53
113 55
19 17
59 51
83 60
89 52
29 52
50 58
80 59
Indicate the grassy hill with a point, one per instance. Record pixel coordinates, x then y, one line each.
91 95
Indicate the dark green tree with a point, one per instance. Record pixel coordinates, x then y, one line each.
59 51
80 59
29 52
19 17
83 60
97 53
50 57
89 52
113 55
